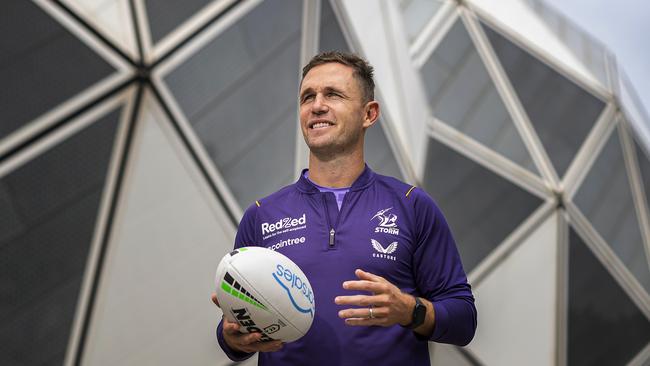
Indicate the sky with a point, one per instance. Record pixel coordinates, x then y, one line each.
624 27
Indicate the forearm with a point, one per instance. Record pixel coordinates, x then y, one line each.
453 321
426 329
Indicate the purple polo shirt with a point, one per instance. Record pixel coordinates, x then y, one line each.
385 227
339 193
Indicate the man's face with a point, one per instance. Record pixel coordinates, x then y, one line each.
333 114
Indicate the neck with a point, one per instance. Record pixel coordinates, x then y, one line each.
337 172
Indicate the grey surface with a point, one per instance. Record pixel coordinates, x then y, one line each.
377 151
164 15
481 207
331 36
240 95
605 327
417 13
561 112
605 199
462 94
53 202
41 64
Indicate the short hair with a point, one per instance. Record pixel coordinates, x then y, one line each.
363 71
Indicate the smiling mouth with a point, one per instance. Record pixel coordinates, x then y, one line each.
320 125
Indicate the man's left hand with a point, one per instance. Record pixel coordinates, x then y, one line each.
389 304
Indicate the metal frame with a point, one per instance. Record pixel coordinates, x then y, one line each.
609 259
541 54
433 33
196 149
641 358
389 125
48 120
586 155
311 14
117 89
511 100
562 290
502 251
488 158
209 32
97 246
636 186
128 47
190 26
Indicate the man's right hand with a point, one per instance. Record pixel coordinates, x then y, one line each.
245 342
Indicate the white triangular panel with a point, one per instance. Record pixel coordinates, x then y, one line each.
519 18
153 302
111 17
516 304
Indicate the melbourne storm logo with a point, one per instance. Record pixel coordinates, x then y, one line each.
387 222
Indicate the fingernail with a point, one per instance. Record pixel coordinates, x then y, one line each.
345 285
336 300
341 314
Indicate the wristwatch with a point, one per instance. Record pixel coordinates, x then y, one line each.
419 313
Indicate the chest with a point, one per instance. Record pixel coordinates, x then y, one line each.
371 233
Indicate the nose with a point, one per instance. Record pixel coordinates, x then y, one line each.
319 106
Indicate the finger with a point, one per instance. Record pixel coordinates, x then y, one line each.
214 299
242 340
230 327
363 275
365 322
269 346
360 300
365 285
363 313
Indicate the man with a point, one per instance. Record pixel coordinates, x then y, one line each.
410 286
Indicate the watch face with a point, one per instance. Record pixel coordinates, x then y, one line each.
418 313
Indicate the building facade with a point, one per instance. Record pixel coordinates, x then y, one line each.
135 132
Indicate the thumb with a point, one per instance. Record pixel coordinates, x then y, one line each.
213 296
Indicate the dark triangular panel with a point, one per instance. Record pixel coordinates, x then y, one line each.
604 326
42 64
561 112
48 217
462 94
331 36
481 207
606 200
164 16
240 94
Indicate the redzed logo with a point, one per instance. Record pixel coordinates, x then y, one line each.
284 223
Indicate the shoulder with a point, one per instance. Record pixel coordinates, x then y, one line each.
271 200
406 191
393 185
417 199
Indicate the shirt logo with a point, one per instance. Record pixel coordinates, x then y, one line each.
283 225
384 252
387 222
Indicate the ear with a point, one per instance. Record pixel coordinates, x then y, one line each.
371 113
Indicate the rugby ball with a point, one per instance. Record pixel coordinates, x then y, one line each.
264 291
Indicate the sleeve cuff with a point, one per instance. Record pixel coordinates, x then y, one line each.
440 326
232 354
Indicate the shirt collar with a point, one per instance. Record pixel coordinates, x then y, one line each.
364 180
